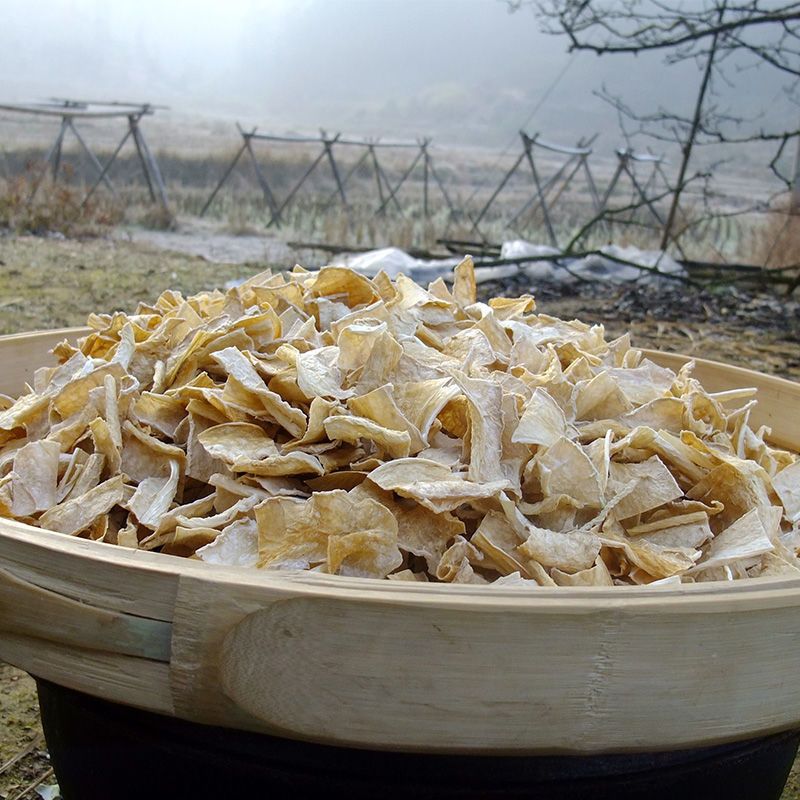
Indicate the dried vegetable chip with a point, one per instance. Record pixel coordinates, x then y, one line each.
377 428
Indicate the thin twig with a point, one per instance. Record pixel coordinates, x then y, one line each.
29 748
33 784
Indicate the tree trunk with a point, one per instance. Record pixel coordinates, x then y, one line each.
686 150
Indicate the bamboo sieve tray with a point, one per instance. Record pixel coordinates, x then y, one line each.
393 666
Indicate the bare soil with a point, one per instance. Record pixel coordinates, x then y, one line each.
56 282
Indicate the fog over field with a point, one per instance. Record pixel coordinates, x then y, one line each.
461 71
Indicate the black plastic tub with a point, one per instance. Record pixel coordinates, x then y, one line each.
105 751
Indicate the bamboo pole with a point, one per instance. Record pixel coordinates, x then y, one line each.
133 123
503 182
349 174
56 148
95 163
328 144
528 143
262 181
454 214
225 176
296 187
402 180
151 166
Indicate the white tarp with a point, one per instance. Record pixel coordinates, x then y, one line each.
550 264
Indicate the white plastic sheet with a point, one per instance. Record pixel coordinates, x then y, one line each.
549 264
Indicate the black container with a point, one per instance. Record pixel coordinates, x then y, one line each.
105 751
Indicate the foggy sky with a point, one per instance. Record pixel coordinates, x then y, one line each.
460 70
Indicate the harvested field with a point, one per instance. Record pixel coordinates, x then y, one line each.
56 282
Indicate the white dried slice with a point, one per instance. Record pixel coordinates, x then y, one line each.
644 486
543 421
318 374
485 406
154 496
565 469
600 398
76 514
34 478
571 551
236 545
745 538
787 486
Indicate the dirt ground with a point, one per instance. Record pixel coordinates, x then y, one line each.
55 282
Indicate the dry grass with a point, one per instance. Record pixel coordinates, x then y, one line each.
35 203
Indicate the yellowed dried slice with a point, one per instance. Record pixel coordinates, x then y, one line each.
464 288
663 523
186 541
485 405
75 515
422 401
643 383
656 562
246 379
339 281
75 394
236 441
14 419
424 533
444 449
471 347
598 575
498 540
67 433
87 477
196 508
570 551
512 307
688 535
297 463
242 507
371 553
351 429
356 342
34 478
408 576
161 412
454 418
379 406
104 444
456 565
740 485
662 413
294 534
346 479
431 484
376 370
